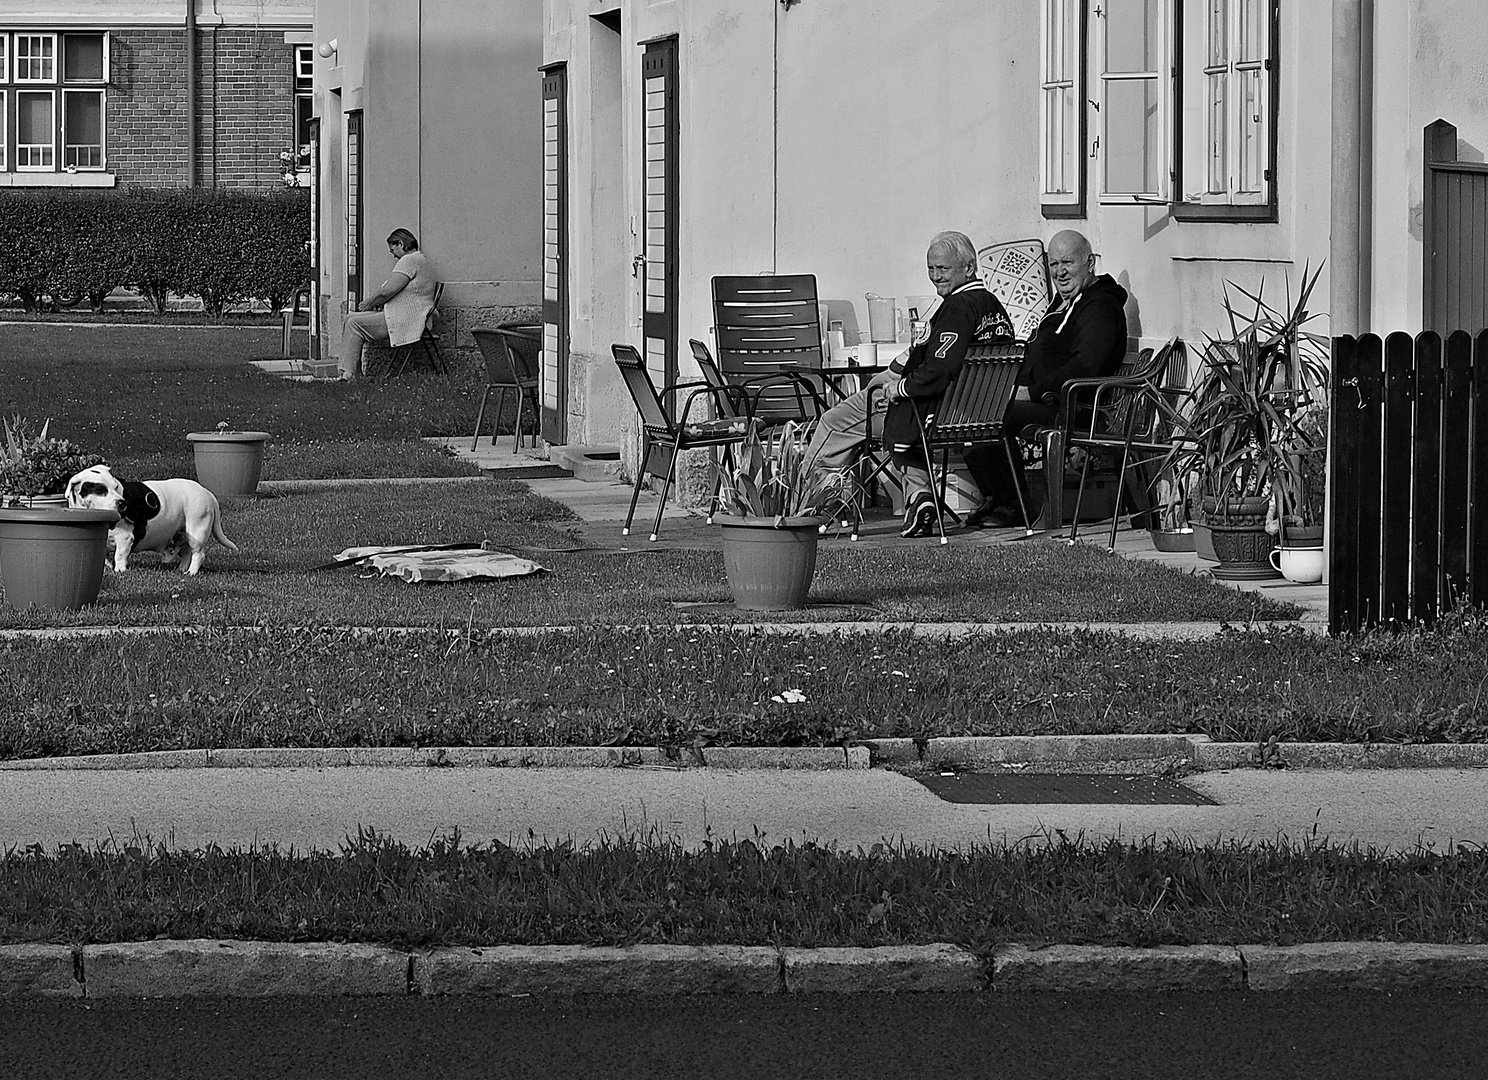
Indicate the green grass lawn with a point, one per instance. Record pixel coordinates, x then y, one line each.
743 891
285 533
676 686
132 393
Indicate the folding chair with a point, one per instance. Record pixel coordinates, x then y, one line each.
664 438
770 325
511 356
1135 413
970 413
426 346
754 386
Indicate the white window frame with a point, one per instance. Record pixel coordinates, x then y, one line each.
304 62
4 57
102 130
1161 76
1062 106
32 37
4 120
1214 68
50 166
65 77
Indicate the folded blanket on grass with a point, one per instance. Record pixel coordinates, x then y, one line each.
413 563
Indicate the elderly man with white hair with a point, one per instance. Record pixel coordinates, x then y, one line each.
1083 336
966 314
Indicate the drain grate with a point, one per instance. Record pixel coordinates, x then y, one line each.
992 789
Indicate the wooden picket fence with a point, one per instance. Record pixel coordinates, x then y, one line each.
1408 478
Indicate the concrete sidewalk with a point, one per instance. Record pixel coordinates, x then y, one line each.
318 808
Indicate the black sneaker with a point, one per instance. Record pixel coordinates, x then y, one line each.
919 517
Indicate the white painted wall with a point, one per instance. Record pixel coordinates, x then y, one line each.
837 136
451 102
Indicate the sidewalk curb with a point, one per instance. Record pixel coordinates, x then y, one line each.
496 757
241 969
1144 755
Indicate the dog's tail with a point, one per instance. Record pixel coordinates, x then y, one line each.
220 536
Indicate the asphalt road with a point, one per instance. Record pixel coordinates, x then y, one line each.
319 808
1357 1036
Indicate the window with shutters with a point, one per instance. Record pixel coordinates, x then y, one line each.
1228 135
1062 108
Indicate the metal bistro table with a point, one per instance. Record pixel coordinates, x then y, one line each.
847 366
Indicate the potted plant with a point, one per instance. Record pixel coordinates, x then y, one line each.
50 556
1174 531
1242 414
228 463
774 508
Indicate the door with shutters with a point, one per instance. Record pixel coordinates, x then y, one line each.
555 257
659 209
354 204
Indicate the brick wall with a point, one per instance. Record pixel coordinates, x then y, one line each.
147 107
245 107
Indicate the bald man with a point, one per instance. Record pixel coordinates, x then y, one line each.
1083 336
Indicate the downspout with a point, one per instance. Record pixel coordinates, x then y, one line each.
1349 247
191 173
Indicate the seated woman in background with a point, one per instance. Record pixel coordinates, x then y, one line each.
396 313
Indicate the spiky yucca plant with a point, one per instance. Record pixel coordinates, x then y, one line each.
1242 412
33 465
773 476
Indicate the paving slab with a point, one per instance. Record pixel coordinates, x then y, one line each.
32 971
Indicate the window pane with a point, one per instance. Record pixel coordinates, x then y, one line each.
304 119
1219 106
82 57
1059 145
1252 132
1133 145
82 124
1132 35
1219 33
1253 36
34 128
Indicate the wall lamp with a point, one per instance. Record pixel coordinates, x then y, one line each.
328 50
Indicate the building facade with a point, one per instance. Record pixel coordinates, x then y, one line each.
1195 142
428 117
99 93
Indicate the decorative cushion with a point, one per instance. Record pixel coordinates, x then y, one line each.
1015 273
703 429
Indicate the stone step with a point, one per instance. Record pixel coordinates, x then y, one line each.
594 464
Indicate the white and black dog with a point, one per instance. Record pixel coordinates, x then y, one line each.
153 516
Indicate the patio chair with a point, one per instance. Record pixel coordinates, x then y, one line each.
511 354
664 438
769 325
1017 273
970 413
427 346
1134 412
753 386
290 317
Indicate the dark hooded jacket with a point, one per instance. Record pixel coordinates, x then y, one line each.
1082 340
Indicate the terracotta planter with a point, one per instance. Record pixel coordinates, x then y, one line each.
1242 545
229 462
52 557
1172 539
769 567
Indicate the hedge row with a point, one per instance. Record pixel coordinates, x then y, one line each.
222 246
